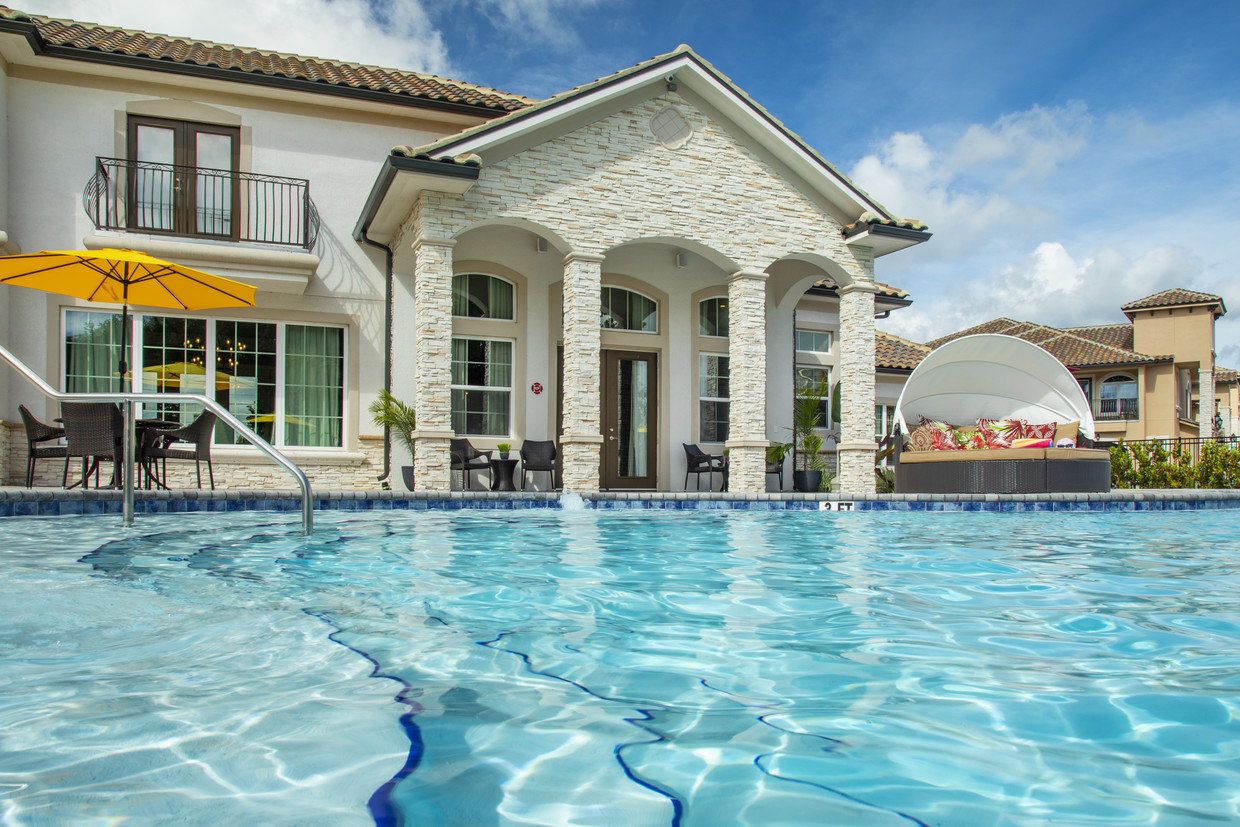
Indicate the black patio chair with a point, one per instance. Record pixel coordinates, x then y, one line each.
160 446
37 432
93 432
777 468
539 456
466 458
699 462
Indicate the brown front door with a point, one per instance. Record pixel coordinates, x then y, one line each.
630 413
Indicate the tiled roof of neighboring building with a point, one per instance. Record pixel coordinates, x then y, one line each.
1072 349
92 37
1225 375
1115 335
885 290
1176 297
895 353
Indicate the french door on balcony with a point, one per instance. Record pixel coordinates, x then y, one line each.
181 177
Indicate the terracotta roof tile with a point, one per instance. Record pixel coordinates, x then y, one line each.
1115 335
138 44
1225 375
1175 297
1067 346
883 289
893 352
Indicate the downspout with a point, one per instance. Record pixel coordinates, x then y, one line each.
387 340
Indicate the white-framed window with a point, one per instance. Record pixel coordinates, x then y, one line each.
1117 398
286 381
481 387
480 296
627 310
713 397
814 341
884 421
713 317
812 377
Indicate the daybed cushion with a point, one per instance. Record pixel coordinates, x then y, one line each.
1003 454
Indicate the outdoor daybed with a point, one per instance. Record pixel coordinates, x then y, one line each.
971 399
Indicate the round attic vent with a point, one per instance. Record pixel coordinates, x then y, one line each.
671 128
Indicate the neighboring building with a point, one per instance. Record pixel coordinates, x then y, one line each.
466 268
1143 378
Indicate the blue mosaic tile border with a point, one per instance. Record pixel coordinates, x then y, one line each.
57 503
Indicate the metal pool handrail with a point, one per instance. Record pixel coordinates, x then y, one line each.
307 496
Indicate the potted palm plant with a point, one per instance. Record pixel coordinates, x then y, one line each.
389 412
806 418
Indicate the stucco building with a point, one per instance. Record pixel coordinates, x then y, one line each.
619 268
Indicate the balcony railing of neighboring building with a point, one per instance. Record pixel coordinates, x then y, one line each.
1116 410
167 199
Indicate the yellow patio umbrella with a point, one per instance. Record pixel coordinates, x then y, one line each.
174 373
121 277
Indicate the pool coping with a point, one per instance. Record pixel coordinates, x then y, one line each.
21 502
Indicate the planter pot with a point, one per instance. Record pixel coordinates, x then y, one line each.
503 455
806 481
406 473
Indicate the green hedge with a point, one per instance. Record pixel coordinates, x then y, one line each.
1154 466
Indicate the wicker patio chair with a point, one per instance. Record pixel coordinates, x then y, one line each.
93 432
37 432
466 458
162 446
538 456
699 462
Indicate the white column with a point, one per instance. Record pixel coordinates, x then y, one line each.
1205 406
583 427
747 382
857 448
432 353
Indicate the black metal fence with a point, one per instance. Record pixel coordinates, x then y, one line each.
1116 410
139 196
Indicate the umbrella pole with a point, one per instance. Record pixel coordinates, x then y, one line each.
127 446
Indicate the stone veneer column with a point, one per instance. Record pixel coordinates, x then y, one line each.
747 382
432 355
856 448
1205 403
582 439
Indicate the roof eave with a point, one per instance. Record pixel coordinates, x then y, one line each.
885 238
39 46
397 187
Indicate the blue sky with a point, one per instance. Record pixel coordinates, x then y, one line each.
1068 156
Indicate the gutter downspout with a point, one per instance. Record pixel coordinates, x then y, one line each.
364 238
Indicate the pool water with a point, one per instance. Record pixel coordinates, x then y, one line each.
649 668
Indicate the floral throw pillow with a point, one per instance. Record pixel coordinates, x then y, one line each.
1001 433
970 438
1046 431
943 437
919 439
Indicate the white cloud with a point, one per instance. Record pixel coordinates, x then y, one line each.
1030 144
543 20
393 33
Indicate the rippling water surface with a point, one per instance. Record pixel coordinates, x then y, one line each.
652 668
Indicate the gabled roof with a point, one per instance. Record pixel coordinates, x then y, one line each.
1115 335
108 44
1074 350
1176 297
895 354
684 67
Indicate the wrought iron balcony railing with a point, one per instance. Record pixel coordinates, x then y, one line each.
138 196
1116 410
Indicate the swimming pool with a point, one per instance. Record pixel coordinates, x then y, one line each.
648 668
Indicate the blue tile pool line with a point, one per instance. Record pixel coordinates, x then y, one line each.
58 503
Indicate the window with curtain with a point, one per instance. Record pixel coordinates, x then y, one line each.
481 387
313 385
625 310
265 373
713 317
92 351
479 296
714 397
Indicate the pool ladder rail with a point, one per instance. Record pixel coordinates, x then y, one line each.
127 401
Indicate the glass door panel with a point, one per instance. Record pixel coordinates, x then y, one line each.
154 187
213 184
629 416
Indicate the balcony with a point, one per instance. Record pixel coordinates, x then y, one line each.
196 202
1116 410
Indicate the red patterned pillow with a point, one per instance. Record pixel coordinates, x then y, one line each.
1001 433
944 440
970 438
1046 431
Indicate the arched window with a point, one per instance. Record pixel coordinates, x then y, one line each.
1117 398
625 310
479 296
713 317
